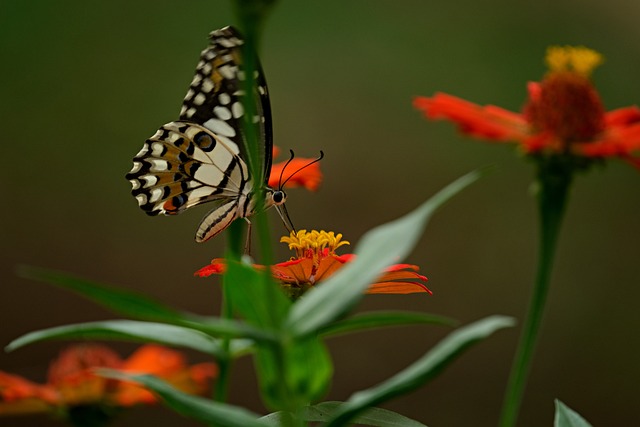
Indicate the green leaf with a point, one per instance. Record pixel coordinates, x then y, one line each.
566 417
208 411
378 249
255 296
130 330
121 301
293 374
379 319
220 327
421 371
376 417
321 412
140 307
309 368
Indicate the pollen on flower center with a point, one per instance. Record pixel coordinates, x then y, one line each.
317 242
578 59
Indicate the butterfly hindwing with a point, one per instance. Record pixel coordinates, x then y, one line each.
183 165
216 220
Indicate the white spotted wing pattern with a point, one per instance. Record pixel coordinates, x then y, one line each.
200 157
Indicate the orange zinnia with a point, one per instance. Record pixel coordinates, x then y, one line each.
316 260
72 382
563 115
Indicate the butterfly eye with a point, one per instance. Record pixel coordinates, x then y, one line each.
278 197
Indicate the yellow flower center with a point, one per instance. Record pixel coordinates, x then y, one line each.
317 241
565 104
578 59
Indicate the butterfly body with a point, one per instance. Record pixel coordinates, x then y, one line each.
200 158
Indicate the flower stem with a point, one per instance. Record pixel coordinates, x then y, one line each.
554 176
234 239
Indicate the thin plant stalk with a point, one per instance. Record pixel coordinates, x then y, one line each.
554 179
220 393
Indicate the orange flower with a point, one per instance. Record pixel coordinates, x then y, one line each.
316 260
563 114
305 173
73 383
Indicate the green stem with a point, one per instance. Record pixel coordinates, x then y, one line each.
250 14
234 245
554 179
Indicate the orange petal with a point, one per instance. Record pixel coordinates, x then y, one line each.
400 279
310 177
76 362
197 379
167 364
297 271
488 122
622 116
201 373
217 266
72 376
621 139
14 388
154 359
329 265
148 359
20 396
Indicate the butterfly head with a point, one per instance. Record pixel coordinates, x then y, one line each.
275 197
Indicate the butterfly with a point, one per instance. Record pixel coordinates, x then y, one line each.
202 156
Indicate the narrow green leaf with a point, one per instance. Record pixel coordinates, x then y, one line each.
120 301
567 417
140 307
378 249
257 298
130 330
208 411
219 327
421 371
321 412
379 319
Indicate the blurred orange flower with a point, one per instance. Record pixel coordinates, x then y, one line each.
301 172
73 383
316 260
563 115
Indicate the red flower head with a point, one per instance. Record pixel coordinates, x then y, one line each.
72 381
563 115
316 260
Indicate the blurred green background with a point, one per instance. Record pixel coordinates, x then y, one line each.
83 84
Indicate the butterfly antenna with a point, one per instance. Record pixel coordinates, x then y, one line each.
282 171
303 167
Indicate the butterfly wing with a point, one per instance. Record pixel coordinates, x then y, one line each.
199 158
183 165
216 221
215 96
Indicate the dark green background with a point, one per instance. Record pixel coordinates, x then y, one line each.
83 84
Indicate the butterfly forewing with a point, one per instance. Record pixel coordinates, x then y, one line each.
215 96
